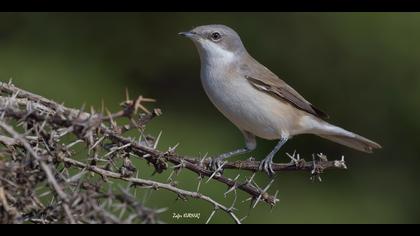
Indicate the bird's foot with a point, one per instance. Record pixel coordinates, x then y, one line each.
216 164
267 166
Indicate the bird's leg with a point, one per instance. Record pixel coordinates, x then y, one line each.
267 163
250 143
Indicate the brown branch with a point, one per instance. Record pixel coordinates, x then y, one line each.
153 184
44 166
156 157
293 165
94 129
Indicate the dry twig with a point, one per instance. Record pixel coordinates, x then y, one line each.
35 134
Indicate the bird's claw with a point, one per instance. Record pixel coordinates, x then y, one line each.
267 166
216 164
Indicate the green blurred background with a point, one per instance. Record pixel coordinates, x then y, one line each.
362 68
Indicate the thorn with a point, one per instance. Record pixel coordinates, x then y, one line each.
251 158
96 143
102 106
41 195
313 171
341 163
76 177
157 140
232 207
199 183
247 200
211 216
263 192
117 149
172 149
322 157
202 159
257 201
73 143
113 123
138 105
14 96
237 177
275 196
170 176
161 210
234 187
216 171
316 171
148 99
43 124
180 165
251 179
294 158
127 95
81 110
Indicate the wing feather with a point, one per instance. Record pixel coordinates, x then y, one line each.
264 80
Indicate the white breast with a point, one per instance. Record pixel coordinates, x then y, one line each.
246 107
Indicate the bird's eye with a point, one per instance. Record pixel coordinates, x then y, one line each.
216 36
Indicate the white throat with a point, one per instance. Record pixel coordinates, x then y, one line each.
213 54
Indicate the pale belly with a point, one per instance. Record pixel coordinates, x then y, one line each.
252 110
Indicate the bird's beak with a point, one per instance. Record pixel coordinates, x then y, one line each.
189 34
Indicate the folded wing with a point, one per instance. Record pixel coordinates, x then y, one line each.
264 80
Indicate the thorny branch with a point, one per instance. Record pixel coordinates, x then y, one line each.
39 135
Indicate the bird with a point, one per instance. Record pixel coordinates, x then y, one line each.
257 101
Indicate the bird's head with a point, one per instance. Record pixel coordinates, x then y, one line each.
215 41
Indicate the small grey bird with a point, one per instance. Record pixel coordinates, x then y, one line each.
257 101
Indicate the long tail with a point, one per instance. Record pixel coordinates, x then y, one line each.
346 138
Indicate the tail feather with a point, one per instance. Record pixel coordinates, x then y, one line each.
347 138
357 142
